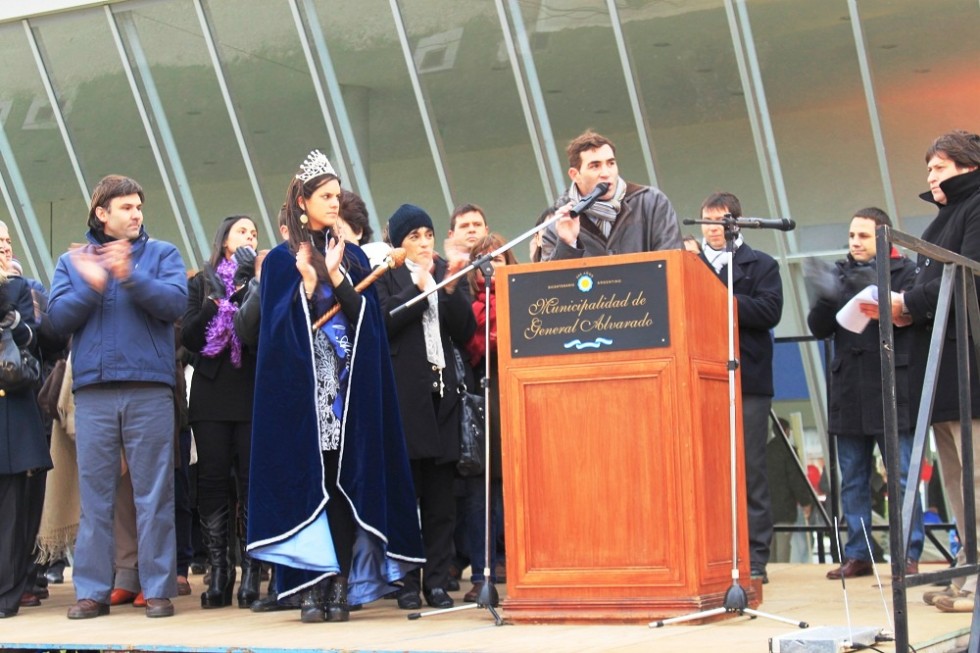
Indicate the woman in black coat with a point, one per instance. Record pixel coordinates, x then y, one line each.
220 406
24 455
421 340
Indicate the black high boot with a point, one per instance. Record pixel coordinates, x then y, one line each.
336 602
248 591
222 581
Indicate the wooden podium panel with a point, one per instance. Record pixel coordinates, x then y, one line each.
616 455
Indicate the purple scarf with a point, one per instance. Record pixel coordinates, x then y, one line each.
221 329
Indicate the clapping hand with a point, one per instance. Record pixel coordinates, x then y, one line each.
456 260
89 267
115 257
245 258
214 285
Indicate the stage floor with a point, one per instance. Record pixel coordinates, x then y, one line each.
797 592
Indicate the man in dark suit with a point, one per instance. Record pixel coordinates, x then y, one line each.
759 294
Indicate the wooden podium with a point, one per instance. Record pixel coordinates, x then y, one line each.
614 417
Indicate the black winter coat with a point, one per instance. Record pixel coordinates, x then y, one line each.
956 228
23 445
220 392
427 434
854 386
758 294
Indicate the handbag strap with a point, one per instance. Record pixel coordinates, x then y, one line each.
460 371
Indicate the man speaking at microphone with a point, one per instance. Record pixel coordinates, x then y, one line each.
625 219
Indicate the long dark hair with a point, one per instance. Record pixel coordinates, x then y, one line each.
221 235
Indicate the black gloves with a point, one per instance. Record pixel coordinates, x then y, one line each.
245 258
213 284
821 281
858 279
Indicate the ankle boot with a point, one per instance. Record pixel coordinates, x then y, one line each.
336 602
248 591
311 605
222 581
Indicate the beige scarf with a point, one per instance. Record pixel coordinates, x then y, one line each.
59 519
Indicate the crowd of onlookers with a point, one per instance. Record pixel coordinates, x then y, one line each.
253 402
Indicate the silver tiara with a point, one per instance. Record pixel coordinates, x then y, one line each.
316 165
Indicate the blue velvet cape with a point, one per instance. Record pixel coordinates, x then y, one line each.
287 498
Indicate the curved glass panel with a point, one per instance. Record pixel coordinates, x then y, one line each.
102 115
693 97
168 34
377 92
926 80
461 58
39 150
819 115
272 89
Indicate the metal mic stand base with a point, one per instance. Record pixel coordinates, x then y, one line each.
487 598
736 602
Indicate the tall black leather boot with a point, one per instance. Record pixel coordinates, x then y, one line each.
337 608
214 527
248 591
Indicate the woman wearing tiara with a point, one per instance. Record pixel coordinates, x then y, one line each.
331 494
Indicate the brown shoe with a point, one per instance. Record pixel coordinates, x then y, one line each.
88 609
929 598
474 593
955 604
851 568
29 600
159 608
911 566
183 586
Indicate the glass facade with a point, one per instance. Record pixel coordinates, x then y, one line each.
805 110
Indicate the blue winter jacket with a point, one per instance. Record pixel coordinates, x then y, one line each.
125 333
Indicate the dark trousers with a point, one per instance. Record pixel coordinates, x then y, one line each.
183 515
339 514
221 446
437 504
21 499
755 427
476 523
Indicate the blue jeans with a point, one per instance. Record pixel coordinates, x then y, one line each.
855 455
139 420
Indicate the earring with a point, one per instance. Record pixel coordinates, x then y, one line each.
303 219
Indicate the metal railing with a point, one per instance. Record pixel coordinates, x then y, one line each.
957 288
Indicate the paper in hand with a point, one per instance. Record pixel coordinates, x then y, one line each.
850 316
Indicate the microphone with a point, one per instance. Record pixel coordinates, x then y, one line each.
590 199
781 224
749 223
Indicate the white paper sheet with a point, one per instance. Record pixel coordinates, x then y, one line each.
850 316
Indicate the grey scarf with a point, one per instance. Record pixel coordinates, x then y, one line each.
430 323
603 213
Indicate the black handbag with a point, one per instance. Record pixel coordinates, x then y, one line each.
18 367
472 431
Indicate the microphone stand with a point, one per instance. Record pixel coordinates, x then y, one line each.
487 597
736 601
